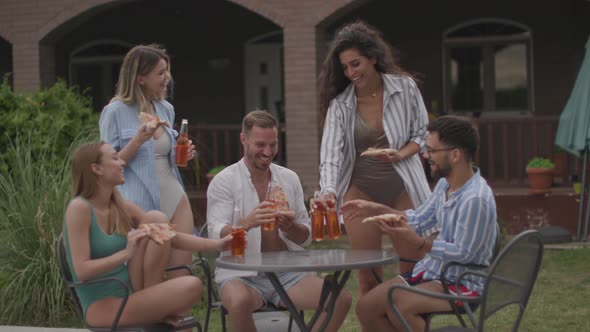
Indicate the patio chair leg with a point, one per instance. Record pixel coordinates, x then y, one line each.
222 321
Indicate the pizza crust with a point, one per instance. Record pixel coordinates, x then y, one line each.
160 232
152 121
373 152
389 217
280 199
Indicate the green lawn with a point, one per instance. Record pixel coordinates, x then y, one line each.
559 301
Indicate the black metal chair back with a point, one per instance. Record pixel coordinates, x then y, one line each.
512 276
66 274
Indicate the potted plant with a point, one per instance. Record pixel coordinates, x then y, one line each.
212 172
540 172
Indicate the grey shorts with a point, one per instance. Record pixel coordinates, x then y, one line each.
264 287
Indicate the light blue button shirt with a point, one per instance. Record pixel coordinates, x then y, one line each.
467 224
118 125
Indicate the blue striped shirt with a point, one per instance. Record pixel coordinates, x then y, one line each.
404 120
467 224
118 125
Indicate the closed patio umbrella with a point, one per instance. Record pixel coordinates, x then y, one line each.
573 131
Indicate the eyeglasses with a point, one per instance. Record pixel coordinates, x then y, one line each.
430 150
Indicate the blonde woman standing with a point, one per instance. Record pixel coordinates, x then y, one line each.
153 181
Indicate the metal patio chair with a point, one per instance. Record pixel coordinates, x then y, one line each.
508 282
187 323
458 312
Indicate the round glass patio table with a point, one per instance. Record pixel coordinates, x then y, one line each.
341 261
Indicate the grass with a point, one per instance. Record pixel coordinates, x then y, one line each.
33 194
558 302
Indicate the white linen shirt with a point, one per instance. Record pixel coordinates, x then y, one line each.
404 120
233 187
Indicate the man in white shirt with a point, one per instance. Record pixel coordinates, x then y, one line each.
244 185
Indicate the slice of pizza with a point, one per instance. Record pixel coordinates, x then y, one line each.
373 152
152 121
280 199
160 232
389 217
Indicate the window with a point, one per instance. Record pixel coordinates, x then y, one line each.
487 67
94 67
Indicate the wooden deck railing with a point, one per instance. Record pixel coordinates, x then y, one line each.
219 144
507 144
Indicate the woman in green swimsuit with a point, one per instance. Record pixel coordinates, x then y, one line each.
102 239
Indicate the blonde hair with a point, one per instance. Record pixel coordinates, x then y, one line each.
259 118
84 184
140 60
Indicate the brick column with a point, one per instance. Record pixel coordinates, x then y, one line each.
26 64
301 103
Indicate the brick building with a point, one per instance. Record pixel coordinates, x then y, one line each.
502 59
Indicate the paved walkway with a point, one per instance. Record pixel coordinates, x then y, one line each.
265 322
4 328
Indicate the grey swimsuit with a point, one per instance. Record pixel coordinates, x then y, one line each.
374 177
170 189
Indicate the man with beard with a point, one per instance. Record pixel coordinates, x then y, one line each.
244 185
457 223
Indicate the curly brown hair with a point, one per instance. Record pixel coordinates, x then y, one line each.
370 43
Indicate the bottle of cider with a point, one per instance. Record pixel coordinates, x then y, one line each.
238 242
181 148
317 219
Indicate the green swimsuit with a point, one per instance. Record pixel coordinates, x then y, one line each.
101 245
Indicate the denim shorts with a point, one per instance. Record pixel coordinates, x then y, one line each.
264 287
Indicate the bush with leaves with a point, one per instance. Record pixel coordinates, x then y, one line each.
39 115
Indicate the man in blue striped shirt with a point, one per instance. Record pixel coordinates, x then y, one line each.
457 223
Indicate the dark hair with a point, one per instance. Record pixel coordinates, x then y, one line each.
370 43
456 131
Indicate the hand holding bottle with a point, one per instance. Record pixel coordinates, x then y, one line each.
182 149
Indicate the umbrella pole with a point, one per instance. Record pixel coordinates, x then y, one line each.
585 237
582 192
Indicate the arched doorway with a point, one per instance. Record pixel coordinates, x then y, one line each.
95 66
206 41
5 60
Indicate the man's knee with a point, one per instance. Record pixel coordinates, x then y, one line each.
235 296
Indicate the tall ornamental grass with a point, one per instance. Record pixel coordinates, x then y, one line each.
34 191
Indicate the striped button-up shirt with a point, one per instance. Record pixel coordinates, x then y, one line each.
118 125
467 224
404 120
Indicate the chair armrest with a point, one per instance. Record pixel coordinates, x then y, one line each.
180 267
75 284
423 292
443 272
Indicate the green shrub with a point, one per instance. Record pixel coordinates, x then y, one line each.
59 114
216 170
